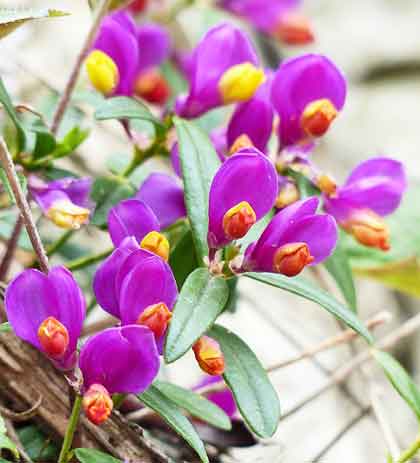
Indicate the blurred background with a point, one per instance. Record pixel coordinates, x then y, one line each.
377 45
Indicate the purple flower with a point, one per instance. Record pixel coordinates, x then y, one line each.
278 18
123 360
136 286
113 64
223 399
65 201
165 197
254 119
48 312
243 190
220 78
307 92
294 238
373 190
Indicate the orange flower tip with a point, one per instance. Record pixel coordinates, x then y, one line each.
291 259
288 194
326 184
242 142
152 87
369 229
294 29
157 243
156 317
238 220
97 404
66 214
209 356
317 117
53 337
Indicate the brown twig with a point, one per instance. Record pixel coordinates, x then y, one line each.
21 416
22 202
10 249
71 83
11 431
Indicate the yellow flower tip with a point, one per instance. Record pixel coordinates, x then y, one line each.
240 82
317 117
238 220
242 142
66 214
102 71
157 243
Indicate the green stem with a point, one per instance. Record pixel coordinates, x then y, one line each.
54 247
71 429
410 452
85 261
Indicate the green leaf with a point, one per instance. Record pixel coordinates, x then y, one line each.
5 328
122 107
256 231
182 258
45 141
305 186
10 109
400 379
5 442
12 18
254 394
37 444
199 163
71 141
195 404
94 456
107 192
202 298
5 181
338 266
301 287
157 401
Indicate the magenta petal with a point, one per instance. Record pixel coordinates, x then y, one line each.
131 217
300 81
105 276
247 176
208 65
32 297
154 46
124 360
165 197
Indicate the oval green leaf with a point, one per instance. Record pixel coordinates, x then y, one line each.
254 394
195 404
202 298
182 258
157 401
199 163
94 456
306 289
400 379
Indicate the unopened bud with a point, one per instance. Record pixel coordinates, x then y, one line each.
369 229
238 220
291 259
240 82
288 194
156 317
209 356
152 87
157 243
326 184
317 117
53 337
66 214
102 71
97 404
294 29
243 141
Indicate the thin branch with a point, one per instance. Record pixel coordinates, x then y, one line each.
11 431
68 91
21 416
22 202
10 249
334 341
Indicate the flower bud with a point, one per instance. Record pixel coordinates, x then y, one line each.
102 71
209 356
288 194
291 259
137 6
97 404
243 141
326 184
152 87
66 214
238 220
369 229
317 117
240 82
294 29
157 243
156 317
53 337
